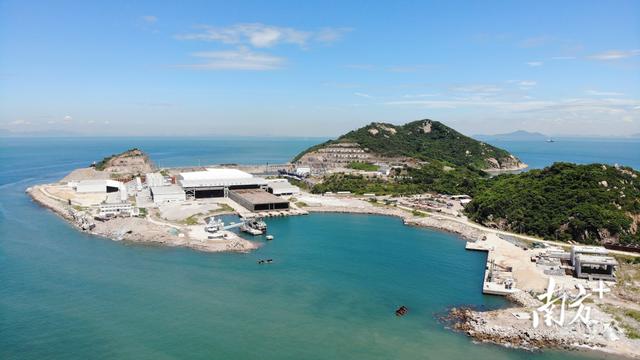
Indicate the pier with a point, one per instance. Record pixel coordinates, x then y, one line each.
498 279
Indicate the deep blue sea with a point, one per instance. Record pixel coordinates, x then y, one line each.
330 293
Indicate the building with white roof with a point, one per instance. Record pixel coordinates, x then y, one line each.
101 186
216 182
281 187
154 179
166 194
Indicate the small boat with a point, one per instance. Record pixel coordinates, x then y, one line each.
402 311
265 261
550 140
269 237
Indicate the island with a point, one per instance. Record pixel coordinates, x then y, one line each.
574 225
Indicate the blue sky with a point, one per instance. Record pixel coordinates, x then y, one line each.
318 69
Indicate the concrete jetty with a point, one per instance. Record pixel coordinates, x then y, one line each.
497 279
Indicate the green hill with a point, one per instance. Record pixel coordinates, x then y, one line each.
424 140
586 203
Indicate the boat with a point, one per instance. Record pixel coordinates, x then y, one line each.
250 230
269 237
214 225
550 140
255 226
402 311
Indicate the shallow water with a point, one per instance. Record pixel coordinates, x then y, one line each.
330 293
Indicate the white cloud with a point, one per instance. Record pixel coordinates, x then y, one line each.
239 59
615 54
478 89
263 36
149 19
67 119
362 95
107 122
90 121
603 93
419 95
527 83
20 122
329 35
535 63
587 108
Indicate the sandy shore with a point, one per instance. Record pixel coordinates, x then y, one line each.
145 230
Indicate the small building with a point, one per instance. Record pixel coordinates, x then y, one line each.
587 250
258 200
592 262
167 194
216 182
117 209
154 179
281 187
303 171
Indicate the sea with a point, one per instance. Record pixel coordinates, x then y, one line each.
330 292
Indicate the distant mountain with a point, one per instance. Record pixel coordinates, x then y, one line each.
519 135
422 140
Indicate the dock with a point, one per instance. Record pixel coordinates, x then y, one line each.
497 280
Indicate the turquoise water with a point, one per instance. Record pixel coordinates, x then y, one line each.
330 294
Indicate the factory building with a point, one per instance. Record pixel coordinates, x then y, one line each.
167 194
101 186
217 182
117 209
281 187
258 200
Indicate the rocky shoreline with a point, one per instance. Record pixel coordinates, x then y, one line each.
141 230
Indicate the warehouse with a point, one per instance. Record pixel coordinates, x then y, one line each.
280 187
258 200
217 182
101 186
166 194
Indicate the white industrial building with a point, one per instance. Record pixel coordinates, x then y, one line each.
281 187
117 209
166 194
154 179
217 182
101 186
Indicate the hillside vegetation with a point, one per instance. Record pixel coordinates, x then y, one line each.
425 140
587 203
435 176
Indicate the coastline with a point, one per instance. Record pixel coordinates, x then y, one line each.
144 230
501 327
495 326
